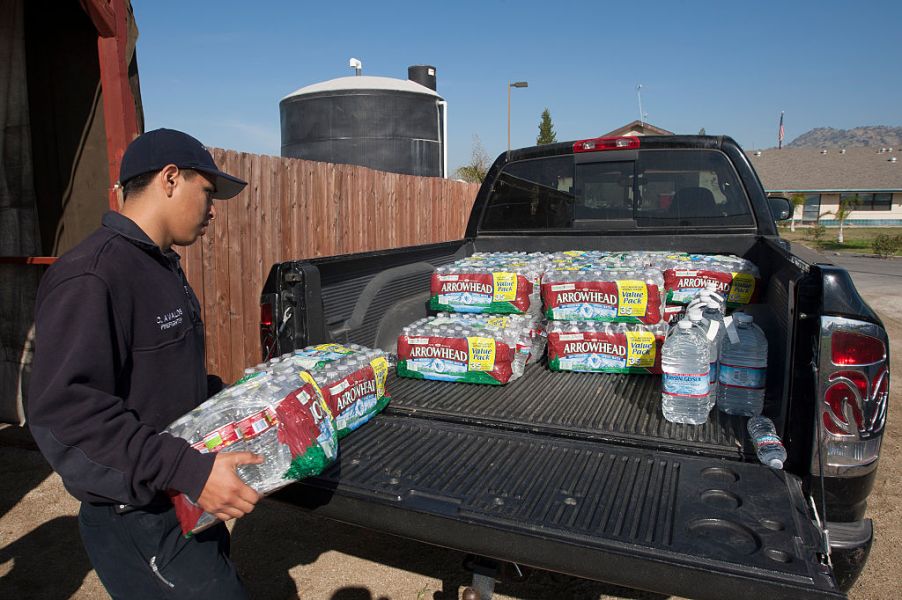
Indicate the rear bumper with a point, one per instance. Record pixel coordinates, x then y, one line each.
850 544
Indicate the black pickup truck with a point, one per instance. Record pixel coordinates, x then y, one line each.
580 473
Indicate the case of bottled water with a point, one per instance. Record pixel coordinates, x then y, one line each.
469 348
743 370
598 293
734 278
353 386
281 416
292 410
496 282
590 347
685 363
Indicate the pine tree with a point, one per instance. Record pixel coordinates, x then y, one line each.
546 130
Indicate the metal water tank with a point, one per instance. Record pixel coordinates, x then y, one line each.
382 123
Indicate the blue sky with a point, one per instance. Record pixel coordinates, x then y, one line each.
218 69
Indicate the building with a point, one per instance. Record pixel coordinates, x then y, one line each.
825 177
637 128
71 104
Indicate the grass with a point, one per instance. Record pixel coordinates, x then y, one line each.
857 240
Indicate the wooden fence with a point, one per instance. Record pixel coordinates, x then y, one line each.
293 209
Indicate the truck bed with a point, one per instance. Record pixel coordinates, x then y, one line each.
624 409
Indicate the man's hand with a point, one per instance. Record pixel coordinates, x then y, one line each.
225 495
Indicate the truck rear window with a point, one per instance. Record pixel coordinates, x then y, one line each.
660 188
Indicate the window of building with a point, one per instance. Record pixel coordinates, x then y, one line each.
869 201
812 207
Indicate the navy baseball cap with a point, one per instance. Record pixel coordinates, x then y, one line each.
155 149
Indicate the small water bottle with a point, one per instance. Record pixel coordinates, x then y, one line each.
685 366
743 370
768 445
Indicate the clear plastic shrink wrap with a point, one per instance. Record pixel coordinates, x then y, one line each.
292 411
469 348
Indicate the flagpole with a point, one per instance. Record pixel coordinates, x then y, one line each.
780 134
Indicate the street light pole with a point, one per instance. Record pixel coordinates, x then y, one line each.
517 84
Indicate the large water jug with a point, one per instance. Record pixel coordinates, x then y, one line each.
685 363
743 370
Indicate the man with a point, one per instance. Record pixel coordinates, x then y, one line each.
119 354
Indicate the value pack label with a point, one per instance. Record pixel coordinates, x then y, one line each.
625 301
466 360
600 352
682 285
499 292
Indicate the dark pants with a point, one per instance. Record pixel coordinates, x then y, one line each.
143 555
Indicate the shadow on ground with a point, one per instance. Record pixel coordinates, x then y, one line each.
277 538
49 561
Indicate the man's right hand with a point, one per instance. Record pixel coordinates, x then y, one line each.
224 495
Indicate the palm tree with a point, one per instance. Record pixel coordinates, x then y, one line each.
846 205
797 200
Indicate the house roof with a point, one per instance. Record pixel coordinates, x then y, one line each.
642 127
863 168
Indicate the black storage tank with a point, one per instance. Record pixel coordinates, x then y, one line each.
382 123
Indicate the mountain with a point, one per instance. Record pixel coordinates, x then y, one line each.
827 137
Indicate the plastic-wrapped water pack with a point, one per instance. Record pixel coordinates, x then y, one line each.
605 347
353 386
735 278
499 283
291 410
598 293
469 348
279 414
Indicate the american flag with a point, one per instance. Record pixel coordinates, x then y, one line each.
780 136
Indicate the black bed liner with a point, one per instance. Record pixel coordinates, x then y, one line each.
701 527
625 409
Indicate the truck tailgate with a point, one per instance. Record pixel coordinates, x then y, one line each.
702 527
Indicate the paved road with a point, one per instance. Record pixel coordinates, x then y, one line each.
878 280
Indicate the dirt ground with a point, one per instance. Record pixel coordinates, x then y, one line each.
284 553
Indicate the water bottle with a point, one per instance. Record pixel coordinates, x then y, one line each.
685 363
743 370
715 334
768 445
695 317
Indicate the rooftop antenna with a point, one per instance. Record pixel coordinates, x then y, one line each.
356 65
642 115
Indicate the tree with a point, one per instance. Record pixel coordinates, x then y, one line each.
478 167
846 205
546 129
797 200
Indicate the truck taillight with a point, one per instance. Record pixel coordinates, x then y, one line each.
268 338
628 142
850 348
853 393
266 315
